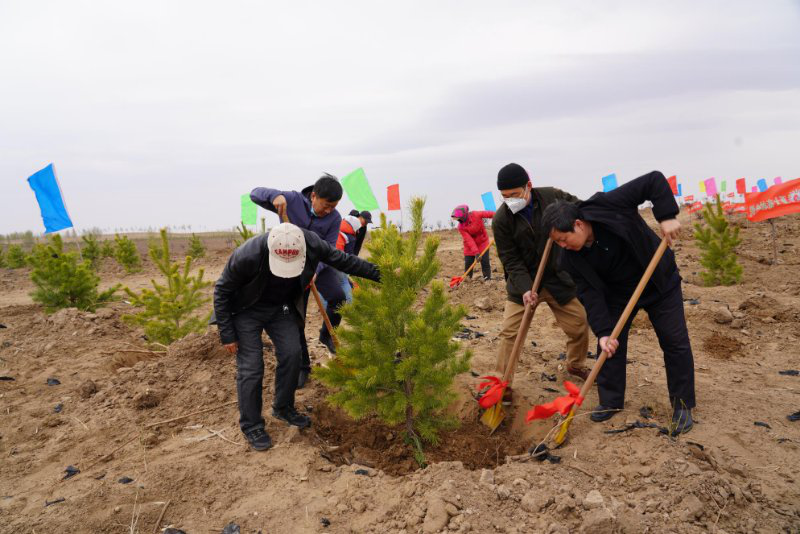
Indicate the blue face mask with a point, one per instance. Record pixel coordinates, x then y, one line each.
311 210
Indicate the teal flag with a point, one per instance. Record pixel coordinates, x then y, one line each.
359 192
249 210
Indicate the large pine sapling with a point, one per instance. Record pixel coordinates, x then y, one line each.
62 280
718 241
170 311
397 359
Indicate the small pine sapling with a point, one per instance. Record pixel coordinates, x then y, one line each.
244 235
718 241
170 310
91 250
107 249
126 254
15 257
196 248
62 280
397 359
2 257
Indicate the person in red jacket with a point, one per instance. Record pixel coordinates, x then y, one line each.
470 224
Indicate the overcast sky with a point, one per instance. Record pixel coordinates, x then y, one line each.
164 113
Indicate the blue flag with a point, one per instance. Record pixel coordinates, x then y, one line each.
680 190
48 193
762 185
488 202
609 182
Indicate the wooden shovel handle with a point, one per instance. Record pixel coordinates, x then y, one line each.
587 385
477 259
527 317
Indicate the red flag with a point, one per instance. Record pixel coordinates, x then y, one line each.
561 405
778 200
673 184
494 394
741 186
697 206
688 198
393 197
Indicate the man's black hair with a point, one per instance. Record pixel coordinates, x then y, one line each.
328 188
355 213
560 216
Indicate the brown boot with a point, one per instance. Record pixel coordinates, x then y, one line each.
580 372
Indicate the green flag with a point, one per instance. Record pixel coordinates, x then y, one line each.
724 186
358 191
249 211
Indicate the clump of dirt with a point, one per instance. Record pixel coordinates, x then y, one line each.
374 444
765 307
721 346
199 346
149 398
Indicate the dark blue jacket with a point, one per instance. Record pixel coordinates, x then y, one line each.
298 208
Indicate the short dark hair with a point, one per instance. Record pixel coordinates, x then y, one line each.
560 216
328 188
355 213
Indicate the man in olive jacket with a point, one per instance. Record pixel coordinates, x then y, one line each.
520 239
261 288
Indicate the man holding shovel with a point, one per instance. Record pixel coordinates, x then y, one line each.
262 288
313 208
521 239
607 248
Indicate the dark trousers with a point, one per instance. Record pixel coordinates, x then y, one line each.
284 327
485 266
669 322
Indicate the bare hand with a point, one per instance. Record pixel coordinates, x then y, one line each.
280 206
671 229
529 298
232 348
608 345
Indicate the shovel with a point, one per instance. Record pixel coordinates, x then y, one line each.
326 320
494 413
458 279
561 436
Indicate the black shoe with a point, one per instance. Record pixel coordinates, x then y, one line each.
326 339
302 378
603 413
292 416
682 421
259 439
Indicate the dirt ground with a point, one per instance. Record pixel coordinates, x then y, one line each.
111 417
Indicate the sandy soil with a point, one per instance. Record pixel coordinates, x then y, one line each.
106 419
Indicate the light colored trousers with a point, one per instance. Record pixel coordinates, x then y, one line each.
571 317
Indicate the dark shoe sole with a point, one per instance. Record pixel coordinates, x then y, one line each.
281 418
578 373
260 447
605 415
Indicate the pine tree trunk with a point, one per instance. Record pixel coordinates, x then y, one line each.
407 388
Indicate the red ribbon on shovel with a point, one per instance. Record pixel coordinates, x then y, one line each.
495 392
560 405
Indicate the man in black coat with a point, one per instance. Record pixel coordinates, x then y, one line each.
261 288
607 249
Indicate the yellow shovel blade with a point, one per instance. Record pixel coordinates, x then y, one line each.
561 436
493 417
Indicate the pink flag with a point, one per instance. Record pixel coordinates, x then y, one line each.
778 181
711 187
